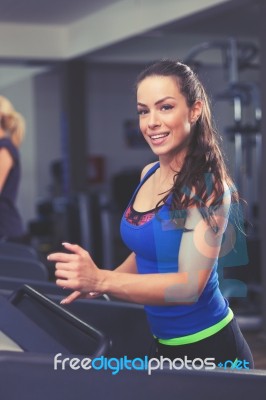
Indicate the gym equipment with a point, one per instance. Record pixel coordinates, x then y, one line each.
37 324
245 133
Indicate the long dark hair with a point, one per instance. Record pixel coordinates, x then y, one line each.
204 169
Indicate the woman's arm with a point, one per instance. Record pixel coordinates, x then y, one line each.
199 250
6 163
128 266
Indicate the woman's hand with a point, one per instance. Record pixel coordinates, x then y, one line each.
76 271
79 295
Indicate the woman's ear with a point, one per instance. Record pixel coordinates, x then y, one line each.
196 111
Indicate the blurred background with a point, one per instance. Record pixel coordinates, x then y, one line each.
69 68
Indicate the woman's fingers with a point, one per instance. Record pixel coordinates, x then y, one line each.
93 295
76 295
74 270
68 283
73 296
64 266
65 273
62 257
75 248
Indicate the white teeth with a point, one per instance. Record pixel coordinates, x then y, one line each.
154 137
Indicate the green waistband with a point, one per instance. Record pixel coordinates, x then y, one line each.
195 337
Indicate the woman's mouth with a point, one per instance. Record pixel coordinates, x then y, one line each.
159 138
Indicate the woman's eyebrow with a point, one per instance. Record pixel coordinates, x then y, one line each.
158 101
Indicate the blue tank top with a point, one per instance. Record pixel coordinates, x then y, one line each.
156 245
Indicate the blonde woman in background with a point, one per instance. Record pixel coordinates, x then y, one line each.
12 129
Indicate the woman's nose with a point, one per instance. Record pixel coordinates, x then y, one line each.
153 121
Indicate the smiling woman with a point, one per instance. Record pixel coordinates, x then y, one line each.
174 226
165 118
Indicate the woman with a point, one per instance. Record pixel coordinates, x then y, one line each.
174 226
12 128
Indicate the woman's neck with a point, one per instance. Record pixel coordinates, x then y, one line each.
166 174
170 165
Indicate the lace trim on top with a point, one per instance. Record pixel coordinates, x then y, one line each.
137 217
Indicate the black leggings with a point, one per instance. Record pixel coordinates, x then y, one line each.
227 344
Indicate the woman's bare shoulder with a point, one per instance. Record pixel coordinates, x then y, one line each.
147 168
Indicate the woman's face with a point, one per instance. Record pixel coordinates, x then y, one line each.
164 117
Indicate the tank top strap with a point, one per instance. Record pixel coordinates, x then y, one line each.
150 172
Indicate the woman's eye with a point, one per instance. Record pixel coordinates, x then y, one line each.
167 107
142 112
